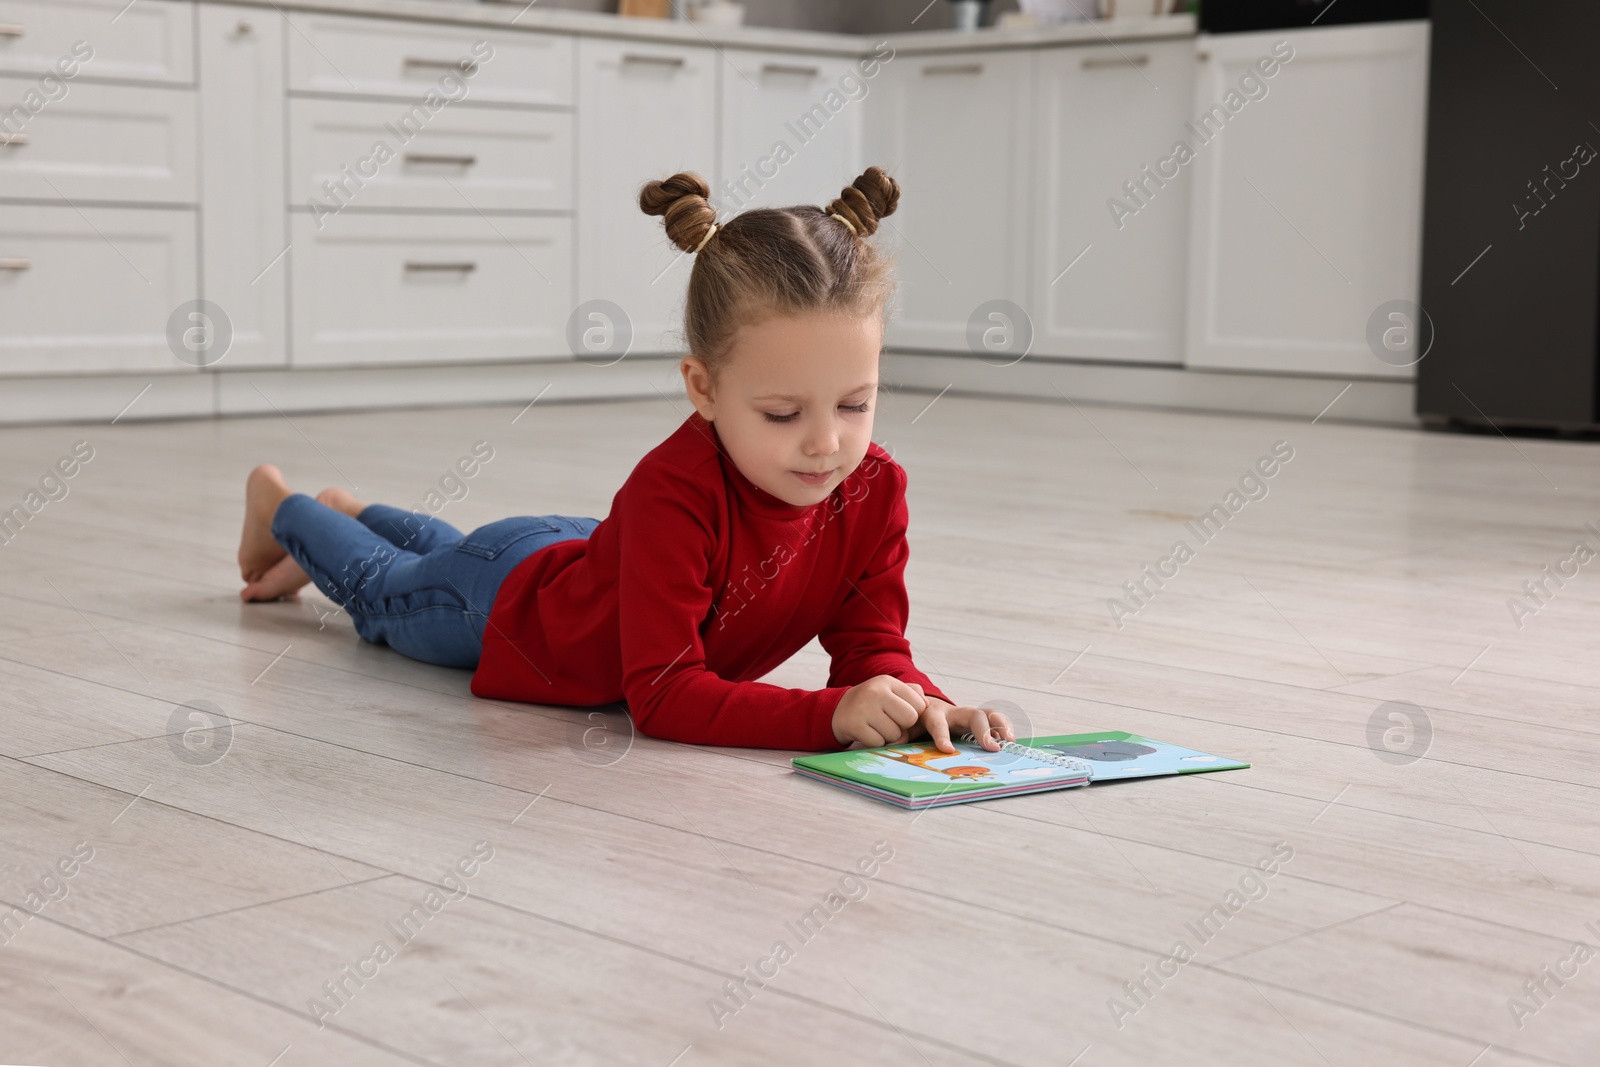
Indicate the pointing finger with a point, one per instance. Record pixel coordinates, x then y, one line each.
938 730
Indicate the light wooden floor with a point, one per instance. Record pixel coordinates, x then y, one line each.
624 893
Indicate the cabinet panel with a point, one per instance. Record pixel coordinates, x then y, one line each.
1106 285
775 98
103 142
1307 208
461 158
91 289
243 226
371 288
341 54
955 131
647 112
152 40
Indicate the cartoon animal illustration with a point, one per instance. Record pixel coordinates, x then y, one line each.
921 756
1102 751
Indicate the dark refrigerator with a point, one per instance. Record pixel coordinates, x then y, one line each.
1511 222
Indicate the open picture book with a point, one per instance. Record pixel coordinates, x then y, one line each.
918 775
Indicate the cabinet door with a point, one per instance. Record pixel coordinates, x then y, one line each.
1307 210
92 289
243 224
791 129
954 129
1108 285
648 111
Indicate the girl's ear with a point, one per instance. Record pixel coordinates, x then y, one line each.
697 382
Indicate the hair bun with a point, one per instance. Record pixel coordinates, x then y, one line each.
871 197
682 200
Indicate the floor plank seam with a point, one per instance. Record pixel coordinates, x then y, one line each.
326 853
1334 690
250 907
1324 883
1416 818
238 991
1299 737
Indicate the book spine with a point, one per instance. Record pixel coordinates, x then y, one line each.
1071 763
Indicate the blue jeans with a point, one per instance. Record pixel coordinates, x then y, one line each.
411 581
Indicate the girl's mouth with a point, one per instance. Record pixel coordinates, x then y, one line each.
814 479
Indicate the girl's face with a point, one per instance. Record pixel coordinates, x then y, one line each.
795 397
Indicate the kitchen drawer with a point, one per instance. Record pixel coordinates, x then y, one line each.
342 54
91 289
102 142
150 41
377 288
459 157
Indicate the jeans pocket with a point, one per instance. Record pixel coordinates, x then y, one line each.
490 541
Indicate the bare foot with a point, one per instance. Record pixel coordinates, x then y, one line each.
341 500
281 579
264 490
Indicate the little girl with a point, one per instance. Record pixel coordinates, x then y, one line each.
769 517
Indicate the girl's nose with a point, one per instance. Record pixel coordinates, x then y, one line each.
824 439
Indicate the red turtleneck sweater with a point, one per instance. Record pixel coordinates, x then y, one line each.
699 581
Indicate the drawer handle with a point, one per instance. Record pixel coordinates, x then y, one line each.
460 161
639 57
14 264
465 66
1102 62
790 68
11 29
463 268
953 68
15 139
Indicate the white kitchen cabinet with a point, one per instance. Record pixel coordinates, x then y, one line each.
463 158
646 111
372 288
1307 206
791 128
147 41
390 57
243 229
955 130
90 289
130 143
1104 285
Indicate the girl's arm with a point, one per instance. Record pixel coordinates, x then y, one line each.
866 636
664 592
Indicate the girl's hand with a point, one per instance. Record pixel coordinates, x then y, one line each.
880 711
941 718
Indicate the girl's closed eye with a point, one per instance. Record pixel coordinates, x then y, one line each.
861 408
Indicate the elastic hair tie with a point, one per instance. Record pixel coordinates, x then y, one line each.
848 223
706 238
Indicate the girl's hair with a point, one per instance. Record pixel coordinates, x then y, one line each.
765 261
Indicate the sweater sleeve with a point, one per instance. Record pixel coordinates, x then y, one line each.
664 594
866 636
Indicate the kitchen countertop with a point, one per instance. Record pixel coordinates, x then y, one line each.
499 13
